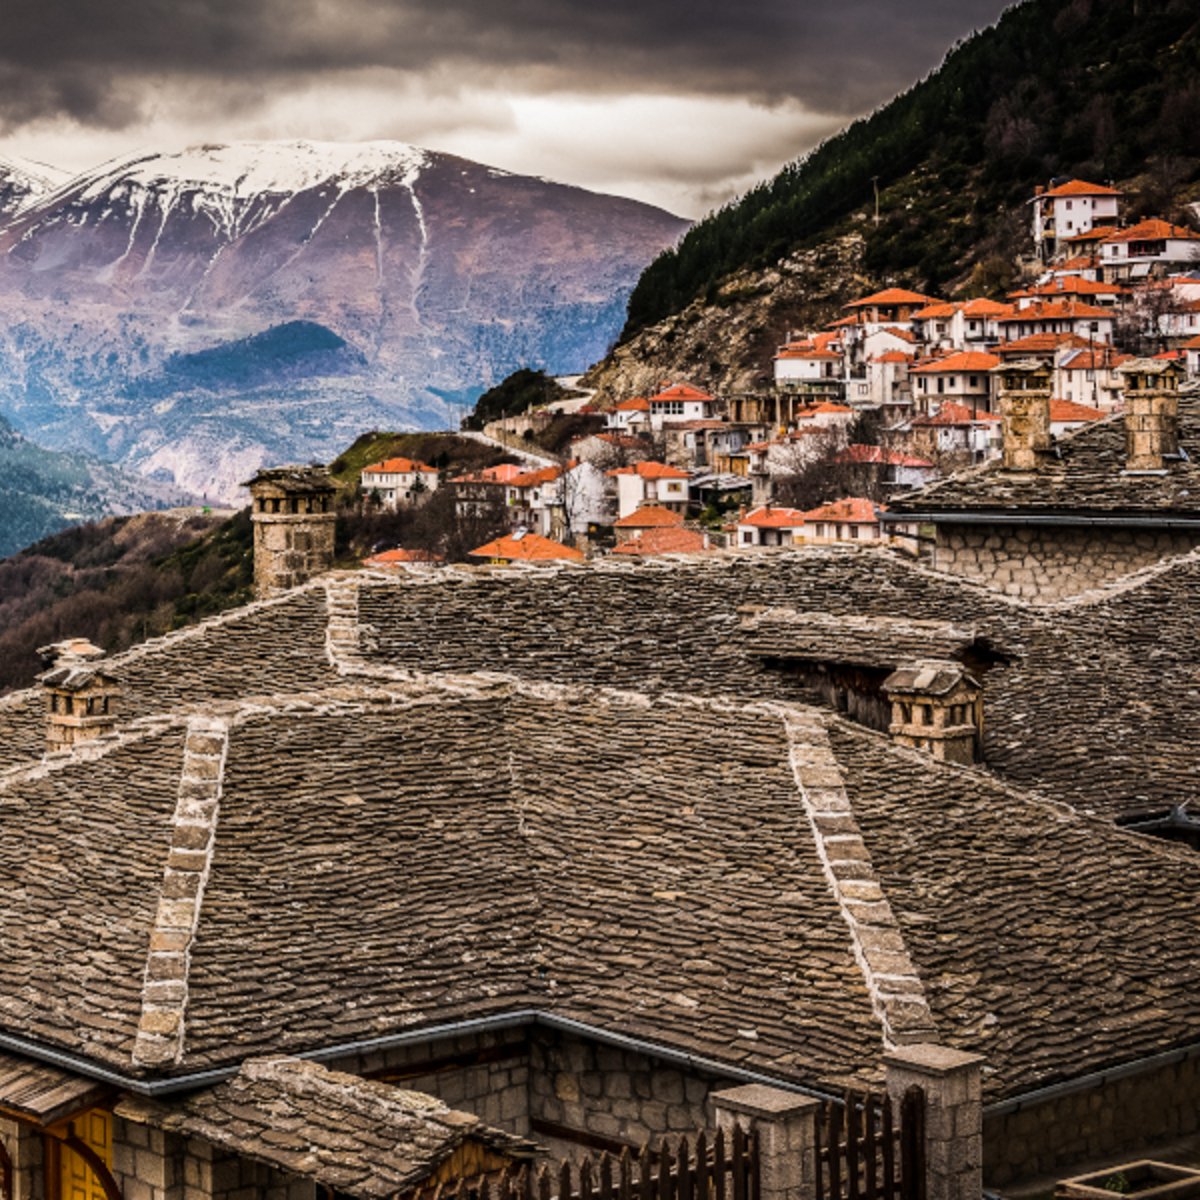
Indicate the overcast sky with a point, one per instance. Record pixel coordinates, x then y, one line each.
683 103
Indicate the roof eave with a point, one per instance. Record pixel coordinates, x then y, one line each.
1062 517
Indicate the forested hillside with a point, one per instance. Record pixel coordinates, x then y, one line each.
1103 89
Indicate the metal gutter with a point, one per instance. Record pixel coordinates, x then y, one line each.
521 1017
1083 1083
1063 518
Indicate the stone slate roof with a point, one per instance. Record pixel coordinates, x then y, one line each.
1080 477
856 639
478 843
363 1139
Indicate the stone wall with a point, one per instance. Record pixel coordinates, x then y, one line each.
1050 562
1118 1121
605 1091
483 1073
24 1147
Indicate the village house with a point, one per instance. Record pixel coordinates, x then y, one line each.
484 493
849 520
1146 250
681 402
815 371
399 482
769 525
1066 416
701 443
1089 377
892 469
1068 209
650 483
1191 349
964 325
608 449
962 378
888 385
655 542
1055 518
1062 286
1087 321
402 559
648 517
629 416
560 500
953 430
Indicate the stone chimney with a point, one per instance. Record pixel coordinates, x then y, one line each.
936 707
1151 395
82 701
292 512
1025 412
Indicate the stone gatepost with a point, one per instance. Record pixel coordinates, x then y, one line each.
786 1126
952 1083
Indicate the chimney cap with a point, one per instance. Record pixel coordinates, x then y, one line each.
929 677
1150 366
76 650
76 676
1021 366
294 480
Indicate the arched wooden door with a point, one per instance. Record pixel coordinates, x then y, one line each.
85 1157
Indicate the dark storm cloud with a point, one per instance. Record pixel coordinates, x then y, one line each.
100 61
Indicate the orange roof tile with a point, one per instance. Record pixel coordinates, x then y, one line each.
1093 359
956 414
651 470
1080 187
964 360
537 478
1075 285
530 547
680 391
771 517
1041 343
1192 343
937 311
1068 410
892 296
398 466
398 557
1152 230
504 473
903 334
633 404
981 306
853 510
1097 233
664 541
649 516
1056 310
858 452
807 352
828 407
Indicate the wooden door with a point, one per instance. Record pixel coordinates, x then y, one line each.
77 1180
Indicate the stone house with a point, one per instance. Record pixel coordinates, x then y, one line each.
1059 517
484 492
574 954
953 430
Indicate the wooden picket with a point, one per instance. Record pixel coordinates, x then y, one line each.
690 1169
865 1153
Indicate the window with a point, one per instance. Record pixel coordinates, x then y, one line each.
747 537
974 381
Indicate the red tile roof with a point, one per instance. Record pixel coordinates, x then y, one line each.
807 352
398 466
536 478
530 547
955 414
504 473
1056 310
964 360
1090 360
853 510
892 296
857 452
634 404
1068 410
981 306
1041 343
398 556
1152 230
680 391
903 334
1073 285
1192 343
892 356
1079 187
772 517
651 470
664 541
649 516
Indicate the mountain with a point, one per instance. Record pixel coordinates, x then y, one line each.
23 183
1101 89
437 276
42 491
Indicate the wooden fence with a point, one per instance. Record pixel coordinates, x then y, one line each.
866 1150
719 1168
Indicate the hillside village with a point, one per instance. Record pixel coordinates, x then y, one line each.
901 391
686 842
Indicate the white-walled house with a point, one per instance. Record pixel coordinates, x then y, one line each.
850 520
681 402
630 415
963 377
769 525
1191 350
1148 248
955 429
1066 415
399 482
650 483
1089 377
1069 209
797 365
1088 321
558 500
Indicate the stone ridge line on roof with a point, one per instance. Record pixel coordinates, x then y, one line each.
193 836
896 991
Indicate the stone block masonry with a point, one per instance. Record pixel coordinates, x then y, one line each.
24 1148
1051 562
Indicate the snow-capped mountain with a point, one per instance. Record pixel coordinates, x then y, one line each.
437 274
23 183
